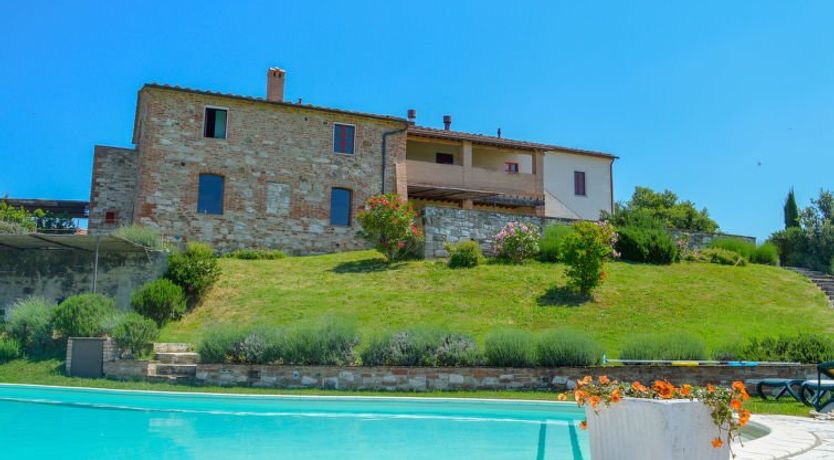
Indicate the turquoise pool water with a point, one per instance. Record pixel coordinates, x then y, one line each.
65 423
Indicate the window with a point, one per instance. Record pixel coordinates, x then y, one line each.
343 138
340 204
215 123
511 167
110 218
579 183
210 195
444 158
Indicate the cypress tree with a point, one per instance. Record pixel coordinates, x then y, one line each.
791 211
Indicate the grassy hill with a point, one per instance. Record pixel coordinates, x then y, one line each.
721 304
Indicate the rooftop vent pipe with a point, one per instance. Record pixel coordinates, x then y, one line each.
447 122
412 116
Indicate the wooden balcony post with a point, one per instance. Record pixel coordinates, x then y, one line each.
466 150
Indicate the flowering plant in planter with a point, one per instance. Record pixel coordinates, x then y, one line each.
517 242
725 404
388 221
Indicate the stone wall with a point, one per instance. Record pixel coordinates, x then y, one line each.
442 225
439 378
57 274
113 189
278 166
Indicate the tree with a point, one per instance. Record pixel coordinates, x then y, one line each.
791 211
587 249
646 205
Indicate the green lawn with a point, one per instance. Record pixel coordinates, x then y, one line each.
50 372
718 303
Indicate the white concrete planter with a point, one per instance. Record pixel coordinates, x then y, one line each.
647 429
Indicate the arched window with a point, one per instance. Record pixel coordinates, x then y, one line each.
210 195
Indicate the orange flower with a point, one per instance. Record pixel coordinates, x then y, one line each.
743 417
595 401
717 442
587 380
562 397
615 396
665 389
603 379
686 390
710 388
580 397
736 404
639 387
583 425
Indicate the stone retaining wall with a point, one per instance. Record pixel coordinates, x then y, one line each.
442 225
439 378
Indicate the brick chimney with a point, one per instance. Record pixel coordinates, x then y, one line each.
275 84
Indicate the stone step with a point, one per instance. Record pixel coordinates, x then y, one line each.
170 379
172 348
188 370
178 358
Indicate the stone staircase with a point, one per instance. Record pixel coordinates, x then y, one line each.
173 362
823 281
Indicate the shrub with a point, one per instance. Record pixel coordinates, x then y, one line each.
586 250
160 300
517 242
721 257
793 246
12 228
421 347
147 237
566 347
650 245
17 220
29 324
551 244
388 223
677 346
9 349
135 333
329 342
803 348
464 254
195 270
218 345
82 315
731 351
739 246
256 254
766 253
509 348
458 350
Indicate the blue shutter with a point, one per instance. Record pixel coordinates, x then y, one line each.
343 138
340 204
210 194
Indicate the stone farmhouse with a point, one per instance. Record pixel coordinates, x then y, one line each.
237 171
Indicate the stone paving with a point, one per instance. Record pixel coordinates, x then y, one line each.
790 438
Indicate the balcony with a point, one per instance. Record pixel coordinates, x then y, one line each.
424 173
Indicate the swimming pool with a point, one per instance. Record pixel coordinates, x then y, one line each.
70 423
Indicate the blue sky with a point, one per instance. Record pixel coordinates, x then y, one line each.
726 103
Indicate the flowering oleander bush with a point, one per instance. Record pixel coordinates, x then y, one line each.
517 242
388 221
725 404
585 251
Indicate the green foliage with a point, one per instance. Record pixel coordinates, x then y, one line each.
330 342
29 324
388 222
464 254
567 347
12 228
737 245
676 346
509 348
17 220
728 351
665 207
160 300
195 270
791 211
766 254
586 250
257 254
811 245
803 348
551 244
260 345
135 333
9 349
717 256
422 347
649 245
517 242
83 315
218 344
147 237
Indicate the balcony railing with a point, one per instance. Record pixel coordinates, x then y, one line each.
455 176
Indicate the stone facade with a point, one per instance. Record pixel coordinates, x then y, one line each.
440 378
444 224
114 188
278 166
57 274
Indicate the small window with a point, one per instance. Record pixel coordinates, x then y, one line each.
215 123
511 167
210 196
110 218
444 158
579 183
340 204
343 138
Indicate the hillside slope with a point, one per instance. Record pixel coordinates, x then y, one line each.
719 303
